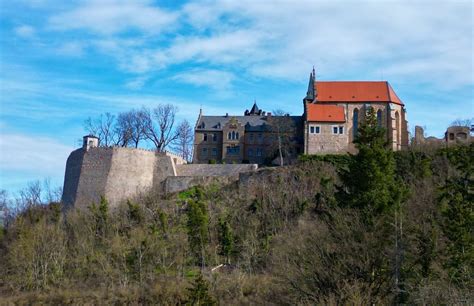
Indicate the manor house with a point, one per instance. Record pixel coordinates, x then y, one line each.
333 111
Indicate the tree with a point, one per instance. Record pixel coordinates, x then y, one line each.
226 239
283 131
184 141
102 127
199 293
371 186
370 182
464 122
158 125
197 225
456 204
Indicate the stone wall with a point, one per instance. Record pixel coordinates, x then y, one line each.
119 174
214 170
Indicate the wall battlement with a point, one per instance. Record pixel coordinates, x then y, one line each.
119 174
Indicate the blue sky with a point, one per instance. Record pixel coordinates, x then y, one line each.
63 61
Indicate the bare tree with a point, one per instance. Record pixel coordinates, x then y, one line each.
464 122
123 130
184 142
159 125
283 129
102 127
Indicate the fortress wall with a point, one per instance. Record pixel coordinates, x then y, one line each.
164 168
71 177
213 170
179 183
96 164
131 172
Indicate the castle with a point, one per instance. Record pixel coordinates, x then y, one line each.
332 113
227 146
120 173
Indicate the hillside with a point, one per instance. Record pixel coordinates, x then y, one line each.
377 227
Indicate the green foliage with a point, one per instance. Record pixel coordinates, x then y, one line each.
370 183
456 204
197 227
340 161
226 239
292 238
199 293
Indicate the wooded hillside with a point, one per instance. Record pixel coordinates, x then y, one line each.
378 227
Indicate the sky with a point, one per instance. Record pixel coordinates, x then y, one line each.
64 61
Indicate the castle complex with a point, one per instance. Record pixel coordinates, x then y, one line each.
332 113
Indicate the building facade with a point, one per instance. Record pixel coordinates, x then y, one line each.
251 138
333 111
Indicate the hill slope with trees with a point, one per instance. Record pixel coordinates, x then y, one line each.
379 227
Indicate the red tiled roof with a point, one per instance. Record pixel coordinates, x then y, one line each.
359 91
324 113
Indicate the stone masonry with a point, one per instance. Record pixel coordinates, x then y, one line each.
122 173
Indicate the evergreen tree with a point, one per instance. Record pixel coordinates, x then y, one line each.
370 181
199 293
197 227
226 239
456 203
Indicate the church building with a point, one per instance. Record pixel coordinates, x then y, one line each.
333 111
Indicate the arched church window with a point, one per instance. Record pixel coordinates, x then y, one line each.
397 126
379 118
229 136
355 123
237 135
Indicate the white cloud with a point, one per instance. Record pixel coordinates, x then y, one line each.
72 48
136 83
114 16
41 155
25 31
215 79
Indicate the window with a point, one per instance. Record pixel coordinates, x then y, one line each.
338 130
214 152
355 123
251 137
314 129
233 150
379 118
214 137
205 137
237 135
259 152
260 136
250 152
229 136
204 151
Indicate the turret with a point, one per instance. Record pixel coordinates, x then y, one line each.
90 141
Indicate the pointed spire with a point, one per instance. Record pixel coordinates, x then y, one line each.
310 92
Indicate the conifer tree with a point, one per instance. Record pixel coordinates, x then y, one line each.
226 239
370 181
197 227
199 293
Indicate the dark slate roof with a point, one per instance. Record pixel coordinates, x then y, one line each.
251 123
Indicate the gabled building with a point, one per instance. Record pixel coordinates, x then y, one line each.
333 111
250 138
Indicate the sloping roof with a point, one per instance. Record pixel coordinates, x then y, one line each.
251 123
324 113
355 91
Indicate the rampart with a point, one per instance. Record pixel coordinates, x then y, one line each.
119 174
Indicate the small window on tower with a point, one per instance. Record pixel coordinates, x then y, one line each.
318 129
311 129
341 130
334 129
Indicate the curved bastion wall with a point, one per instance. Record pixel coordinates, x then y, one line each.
122 173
